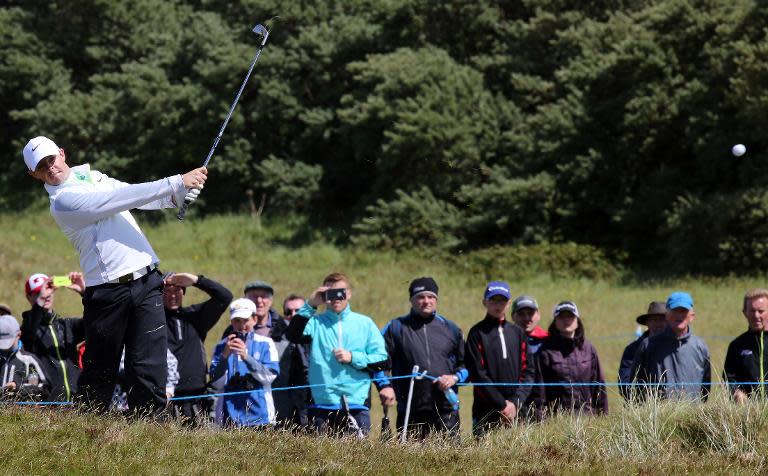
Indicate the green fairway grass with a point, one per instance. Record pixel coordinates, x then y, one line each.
235 250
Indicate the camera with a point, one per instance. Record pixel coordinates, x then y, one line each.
241 335
241 382
336 294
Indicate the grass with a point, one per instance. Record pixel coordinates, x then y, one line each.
235 249
718 438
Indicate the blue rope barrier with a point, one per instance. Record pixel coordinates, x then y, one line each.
429 377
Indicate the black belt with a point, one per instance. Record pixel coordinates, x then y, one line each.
127 278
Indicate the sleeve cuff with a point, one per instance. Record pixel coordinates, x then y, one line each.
358 360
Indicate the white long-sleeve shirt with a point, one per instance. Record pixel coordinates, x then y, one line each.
92 211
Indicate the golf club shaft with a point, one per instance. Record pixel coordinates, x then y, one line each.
263 31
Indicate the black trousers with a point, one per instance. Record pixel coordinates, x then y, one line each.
422 423
129 315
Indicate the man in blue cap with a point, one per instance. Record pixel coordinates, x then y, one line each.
675 359
498 352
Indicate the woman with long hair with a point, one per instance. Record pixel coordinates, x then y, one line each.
568 358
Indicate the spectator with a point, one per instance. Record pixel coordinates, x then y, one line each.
525 313
187 329
746 359
498 352
345 347
675 358
656 323
567 357
291 405
291 305
427 339
123 299
21 377
248 362
262 294
5 309
51 338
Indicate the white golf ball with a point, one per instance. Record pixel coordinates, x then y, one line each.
738 150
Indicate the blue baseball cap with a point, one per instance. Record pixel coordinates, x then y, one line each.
497 288
679 299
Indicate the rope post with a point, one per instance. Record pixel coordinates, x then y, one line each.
404 433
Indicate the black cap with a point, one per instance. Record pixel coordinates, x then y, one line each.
422 285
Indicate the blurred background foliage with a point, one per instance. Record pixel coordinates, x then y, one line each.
546 127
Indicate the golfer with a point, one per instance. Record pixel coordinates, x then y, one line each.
123 303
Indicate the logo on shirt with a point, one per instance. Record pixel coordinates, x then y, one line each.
746 352
257 355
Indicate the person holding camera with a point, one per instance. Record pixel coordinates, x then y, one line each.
247 362
425 338
51 338
345 348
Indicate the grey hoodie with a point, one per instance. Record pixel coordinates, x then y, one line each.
683 362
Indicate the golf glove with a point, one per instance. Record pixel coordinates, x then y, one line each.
192 195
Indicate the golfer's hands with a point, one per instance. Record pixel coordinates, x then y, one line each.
342 356
318 296
509 412
192 194
446 381
387 396
234 346
182 280
195 178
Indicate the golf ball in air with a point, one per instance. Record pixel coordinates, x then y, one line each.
738 150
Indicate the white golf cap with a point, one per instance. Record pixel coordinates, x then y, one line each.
37 149
242 308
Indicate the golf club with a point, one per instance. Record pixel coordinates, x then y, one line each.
386 429
264 33
351 421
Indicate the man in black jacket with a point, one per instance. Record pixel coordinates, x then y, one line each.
424 338
187 329
52 338
747 358
498 352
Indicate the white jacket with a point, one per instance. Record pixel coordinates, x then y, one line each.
92 211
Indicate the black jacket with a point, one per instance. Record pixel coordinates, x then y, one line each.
625 366
436 345
187 329
17 366
486 362
53 340
742 362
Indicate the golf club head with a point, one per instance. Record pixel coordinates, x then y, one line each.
261 30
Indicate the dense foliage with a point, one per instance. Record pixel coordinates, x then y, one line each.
459 124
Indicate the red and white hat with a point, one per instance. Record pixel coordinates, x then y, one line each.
35 283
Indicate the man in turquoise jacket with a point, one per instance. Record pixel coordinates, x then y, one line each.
345 348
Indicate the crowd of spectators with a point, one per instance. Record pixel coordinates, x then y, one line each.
322 357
